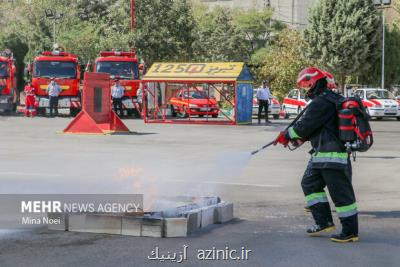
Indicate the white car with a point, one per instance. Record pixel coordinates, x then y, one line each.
273 109
379 103
295 102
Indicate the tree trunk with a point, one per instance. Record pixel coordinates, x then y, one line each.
342 83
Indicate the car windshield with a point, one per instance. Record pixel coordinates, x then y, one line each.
379 94
123 69
3 69
195 94
303 95
58 69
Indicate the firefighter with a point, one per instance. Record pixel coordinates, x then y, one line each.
30 109
329 165
53 90
117 92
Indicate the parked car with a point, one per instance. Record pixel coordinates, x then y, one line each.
274 107
295 102
379 103
193 102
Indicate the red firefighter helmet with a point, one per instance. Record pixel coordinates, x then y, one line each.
308 77
331 80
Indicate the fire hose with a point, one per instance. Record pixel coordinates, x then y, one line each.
290 125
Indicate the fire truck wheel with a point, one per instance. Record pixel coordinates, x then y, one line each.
173 112
379 118
41 112
215 116
73 112
398 118
201 116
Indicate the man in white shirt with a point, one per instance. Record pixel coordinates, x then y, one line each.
263 95
117 92
53 90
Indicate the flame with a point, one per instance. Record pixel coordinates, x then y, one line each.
124 173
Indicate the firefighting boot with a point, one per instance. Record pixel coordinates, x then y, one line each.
343 238
315 230
349 230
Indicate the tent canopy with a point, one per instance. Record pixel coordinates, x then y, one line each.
211 72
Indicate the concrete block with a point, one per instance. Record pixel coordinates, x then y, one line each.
224 212
77 222
103 224
153 227
60 221
131 226
207 216
175 227
95 223
193 220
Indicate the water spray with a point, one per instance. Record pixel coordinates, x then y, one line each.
272 142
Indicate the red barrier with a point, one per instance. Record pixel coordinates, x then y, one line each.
96 116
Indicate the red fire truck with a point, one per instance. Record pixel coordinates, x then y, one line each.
123 66
8 82
64 68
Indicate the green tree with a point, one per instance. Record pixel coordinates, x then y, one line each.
343 36
164 30
392 61
218 38
257 26
13 42
281 62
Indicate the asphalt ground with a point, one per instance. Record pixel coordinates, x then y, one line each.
196 160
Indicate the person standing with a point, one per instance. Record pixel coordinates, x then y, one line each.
117 92
53 90
30 109
263 97
329 165
139 99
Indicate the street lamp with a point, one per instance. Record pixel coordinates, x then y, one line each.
55 16
381 4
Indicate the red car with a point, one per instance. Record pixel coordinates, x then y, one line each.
193 102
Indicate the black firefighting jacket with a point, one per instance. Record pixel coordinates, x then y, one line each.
319 125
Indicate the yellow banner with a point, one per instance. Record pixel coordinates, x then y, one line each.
63 87
194 71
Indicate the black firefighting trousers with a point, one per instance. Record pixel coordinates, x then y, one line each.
341 191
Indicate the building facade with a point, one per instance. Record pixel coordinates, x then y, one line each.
292 12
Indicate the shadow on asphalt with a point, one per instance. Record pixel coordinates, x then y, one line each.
210 228
133 133
382 214
378 157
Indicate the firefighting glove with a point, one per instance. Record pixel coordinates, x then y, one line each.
281 139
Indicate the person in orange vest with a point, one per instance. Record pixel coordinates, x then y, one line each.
30 109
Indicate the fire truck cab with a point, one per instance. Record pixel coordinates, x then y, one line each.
64 68
123 66
8 82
